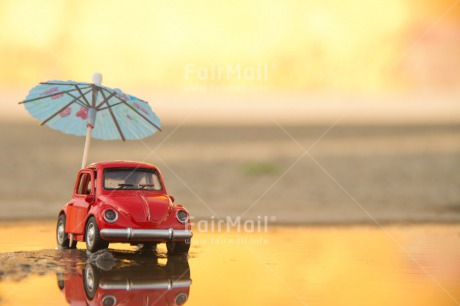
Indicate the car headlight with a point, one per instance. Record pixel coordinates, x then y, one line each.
181 298
109 300
182 216
110 215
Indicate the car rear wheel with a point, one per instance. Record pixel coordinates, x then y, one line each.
93 239
178 247
61 236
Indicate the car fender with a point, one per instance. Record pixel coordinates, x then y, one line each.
172 221
64 210
97 211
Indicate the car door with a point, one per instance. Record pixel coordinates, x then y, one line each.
78 207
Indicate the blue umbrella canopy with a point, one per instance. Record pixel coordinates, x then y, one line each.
91 109
65 106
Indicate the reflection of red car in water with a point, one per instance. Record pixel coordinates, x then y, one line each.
123 201
150 284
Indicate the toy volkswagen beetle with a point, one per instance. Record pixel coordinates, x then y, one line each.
123 201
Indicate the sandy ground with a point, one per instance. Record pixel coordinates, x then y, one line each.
353 174
16 266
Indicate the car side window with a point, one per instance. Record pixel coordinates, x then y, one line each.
84 185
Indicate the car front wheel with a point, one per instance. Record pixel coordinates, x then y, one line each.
61 236
178 247
93 239
91 281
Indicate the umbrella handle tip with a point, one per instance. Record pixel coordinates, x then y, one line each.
97 78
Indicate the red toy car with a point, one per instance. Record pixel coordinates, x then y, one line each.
123 201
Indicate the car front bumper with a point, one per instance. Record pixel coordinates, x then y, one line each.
135 234
145 284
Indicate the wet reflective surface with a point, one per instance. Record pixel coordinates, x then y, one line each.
128 279
394 265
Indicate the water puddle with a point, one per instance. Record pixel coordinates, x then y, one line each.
395 265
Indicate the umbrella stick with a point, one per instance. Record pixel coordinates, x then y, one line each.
87 144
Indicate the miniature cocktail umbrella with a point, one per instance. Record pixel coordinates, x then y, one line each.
91 109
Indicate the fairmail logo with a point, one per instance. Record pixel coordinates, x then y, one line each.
229 224
228 72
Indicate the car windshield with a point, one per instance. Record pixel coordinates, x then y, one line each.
131 178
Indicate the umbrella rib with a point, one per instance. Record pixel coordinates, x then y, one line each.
114 92
63 84
82 104
83 95
106 100
145 118
143 101
103 108
79 102
116 124
60 110
47 96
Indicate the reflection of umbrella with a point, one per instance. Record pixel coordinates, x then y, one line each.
91 109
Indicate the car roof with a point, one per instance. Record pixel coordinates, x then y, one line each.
120 164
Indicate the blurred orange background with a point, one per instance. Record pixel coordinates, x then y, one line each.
359 45
314 52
